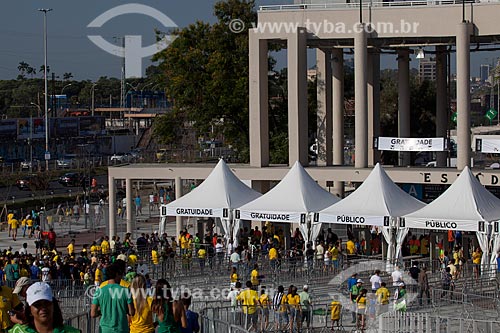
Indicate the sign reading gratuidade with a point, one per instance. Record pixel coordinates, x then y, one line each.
189 211
270 216
410 144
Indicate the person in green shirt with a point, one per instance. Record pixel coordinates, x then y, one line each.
113 303
43 313
354 292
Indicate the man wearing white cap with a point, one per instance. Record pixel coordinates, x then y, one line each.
305 304
354 292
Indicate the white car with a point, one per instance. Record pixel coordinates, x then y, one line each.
120 158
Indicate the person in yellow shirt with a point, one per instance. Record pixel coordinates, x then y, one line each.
105 246
249 299
233 277
71 248
14 224
335 312
350 247
294 309
132 259
10 216
29 223
99 275
335 257
264 310
202 255
383 296
273 257
23 226
9 301
361 305
183 242
254 275
476 261
154 259
142 320
93 249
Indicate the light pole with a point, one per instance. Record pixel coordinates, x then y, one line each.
92 96
47 153
69 84
142 95
39 108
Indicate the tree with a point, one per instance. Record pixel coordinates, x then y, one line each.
42 69
206 74
23 68
67 76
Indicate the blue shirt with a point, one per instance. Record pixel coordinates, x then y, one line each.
192 322
351 282
138 201
35 272
498 264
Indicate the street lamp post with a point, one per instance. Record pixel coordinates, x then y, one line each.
69 84
47 153
92 96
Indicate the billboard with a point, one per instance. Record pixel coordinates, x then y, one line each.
90 126
8 128
34 128
65 127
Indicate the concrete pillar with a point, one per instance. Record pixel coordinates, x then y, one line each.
338 115
404 101
373 105
258 98
324 114
261 186
112 206
178 194
130 207
360 97
441 101
463 95
297 97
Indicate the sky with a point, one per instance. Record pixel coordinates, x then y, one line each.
70 50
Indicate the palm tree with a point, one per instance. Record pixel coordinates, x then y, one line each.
31 71
23 67
67 76
42 69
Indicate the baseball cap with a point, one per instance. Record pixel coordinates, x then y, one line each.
22 282
359 281
38 291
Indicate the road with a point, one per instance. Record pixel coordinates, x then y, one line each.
12 192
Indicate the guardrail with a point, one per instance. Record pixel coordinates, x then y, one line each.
350 5
84 322
428 323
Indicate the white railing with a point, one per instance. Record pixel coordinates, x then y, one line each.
367 4
428 323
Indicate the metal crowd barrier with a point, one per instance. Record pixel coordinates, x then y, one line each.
84 323
429 323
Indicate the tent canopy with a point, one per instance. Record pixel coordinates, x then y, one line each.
290 200
219 193
466 205
377 199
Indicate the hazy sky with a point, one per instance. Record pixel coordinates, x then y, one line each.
69 49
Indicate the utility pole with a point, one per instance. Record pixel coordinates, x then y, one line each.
47 153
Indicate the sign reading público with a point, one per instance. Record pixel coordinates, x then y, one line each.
351 219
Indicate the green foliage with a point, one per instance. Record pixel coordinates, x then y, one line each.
206 75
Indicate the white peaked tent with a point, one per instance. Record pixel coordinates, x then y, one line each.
378 201
467 206
215 197
291 200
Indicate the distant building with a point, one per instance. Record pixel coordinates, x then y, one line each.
484 73
427 69
311 74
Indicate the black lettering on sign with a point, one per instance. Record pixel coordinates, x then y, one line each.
444 178
494 180
427 177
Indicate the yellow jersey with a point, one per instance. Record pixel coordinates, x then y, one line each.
273 254
249 299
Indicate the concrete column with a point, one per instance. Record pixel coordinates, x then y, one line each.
360 97
178 194
441 101
404 101
297 97
324 115
258 98
463 95
373 105
261 186
112 206
338 115
130 207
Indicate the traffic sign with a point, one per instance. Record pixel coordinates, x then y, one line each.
47 155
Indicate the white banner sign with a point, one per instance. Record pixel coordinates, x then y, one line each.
437 224
271 216
189 211
353 219
410 144
488 145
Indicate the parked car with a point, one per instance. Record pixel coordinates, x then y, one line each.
25 165
121 158
71 179
23 183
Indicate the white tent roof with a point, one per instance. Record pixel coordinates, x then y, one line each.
377 199
289 201
221 191
465 205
